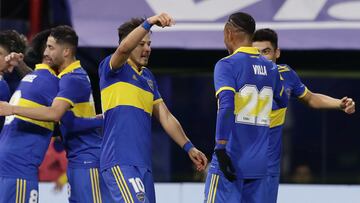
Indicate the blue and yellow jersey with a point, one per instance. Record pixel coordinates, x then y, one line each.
127 98
256 83
294 88
82 146
4 96
24 141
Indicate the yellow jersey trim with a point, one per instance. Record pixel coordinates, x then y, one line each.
70 68
65 99
282 90
304 93
224 88
277 117
122 93
158 101
43 66
133 66
248 50
30 104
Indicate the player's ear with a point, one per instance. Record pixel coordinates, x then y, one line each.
277 53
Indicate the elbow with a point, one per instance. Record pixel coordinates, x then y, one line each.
55 117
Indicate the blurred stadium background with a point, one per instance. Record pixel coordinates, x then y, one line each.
318 38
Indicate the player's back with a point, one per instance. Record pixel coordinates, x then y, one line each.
255 81
82 146
24 141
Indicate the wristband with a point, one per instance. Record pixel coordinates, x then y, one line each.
187 146
146 25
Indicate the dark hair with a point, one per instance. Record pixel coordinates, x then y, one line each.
266 34
34 53
64 34
244 21
129 26
12 41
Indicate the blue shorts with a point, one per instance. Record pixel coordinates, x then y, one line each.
219 190
18 190
87 185
130 184
272 184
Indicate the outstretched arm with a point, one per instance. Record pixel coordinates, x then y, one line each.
173 128
321 101
129 43
52 113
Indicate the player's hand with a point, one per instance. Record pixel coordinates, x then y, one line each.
161 20
6 109
198 158
347 105
99 116
225 164
14 59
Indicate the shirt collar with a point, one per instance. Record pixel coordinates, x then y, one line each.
70 68
43 66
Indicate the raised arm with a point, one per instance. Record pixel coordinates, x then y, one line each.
173 128
129 43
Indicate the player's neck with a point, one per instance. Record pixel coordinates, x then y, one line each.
238 44
66 63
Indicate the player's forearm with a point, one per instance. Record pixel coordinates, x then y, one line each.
38 113
321 101
82 124
22 69
126 46
173 128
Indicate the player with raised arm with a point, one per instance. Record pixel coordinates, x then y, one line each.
246 84
266 41
130 96
73 104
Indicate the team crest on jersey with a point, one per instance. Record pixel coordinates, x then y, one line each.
151 84
140 196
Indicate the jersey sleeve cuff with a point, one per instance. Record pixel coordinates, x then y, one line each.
157 101
224 88
65 99
304 93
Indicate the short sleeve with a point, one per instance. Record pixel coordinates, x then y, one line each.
223 77
72 89
299 90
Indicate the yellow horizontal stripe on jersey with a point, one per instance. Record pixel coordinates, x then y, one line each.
224 88
304 93
122 93
84 110
277 117
27 103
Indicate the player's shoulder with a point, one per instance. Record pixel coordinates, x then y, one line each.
284 68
